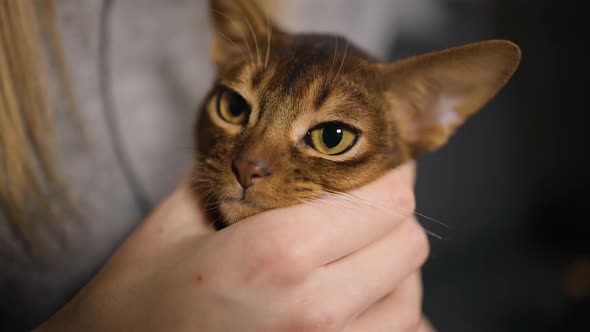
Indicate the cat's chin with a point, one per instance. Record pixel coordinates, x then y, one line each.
237 210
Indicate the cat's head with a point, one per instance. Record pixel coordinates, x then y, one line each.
293 117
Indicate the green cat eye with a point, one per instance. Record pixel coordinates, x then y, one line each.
232 108
332 138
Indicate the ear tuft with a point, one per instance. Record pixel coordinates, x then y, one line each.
432 94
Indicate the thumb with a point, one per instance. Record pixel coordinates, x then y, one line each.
177 216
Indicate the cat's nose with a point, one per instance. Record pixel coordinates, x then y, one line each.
248 172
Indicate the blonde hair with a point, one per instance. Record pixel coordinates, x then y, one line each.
28 175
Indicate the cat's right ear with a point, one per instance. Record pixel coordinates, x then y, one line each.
241 31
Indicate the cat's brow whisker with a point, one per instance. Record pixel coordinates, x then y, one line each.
247 21
333 59
341 63
236 45
241 33
269 33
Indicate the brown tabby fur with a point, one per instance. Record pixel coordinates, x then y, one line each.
295 82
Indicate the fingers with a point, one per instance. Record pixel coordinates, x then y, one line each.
320 232
356 282
399 311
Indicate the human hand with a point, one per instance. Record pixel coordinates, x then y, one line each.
331 265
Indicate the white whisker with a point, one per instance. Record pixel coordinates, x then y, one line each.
333 59
243 36
431 233
269 33
231 41
348 197
341 63
247 21
432 219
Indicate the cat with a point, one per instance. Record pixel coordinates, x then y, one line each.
293 117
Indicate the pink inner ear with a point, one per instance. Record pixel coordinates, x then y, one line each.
445 113
431 122
441 112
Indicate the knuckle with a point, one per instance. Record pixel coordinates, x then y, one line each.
419 240
407 199
404 200
277 260
411 321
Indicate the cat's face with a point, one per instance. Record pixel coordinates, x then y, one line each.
292 118
301 125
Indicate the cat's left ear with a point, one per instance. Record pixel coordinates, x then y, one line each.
241 31
431 95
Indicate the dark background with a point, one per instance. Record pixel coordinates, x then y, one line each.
512 184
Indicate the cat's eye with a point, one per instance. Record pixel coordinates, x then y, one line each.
232 108
332 138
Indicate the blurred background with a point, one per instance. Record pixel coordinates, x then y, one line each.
512 183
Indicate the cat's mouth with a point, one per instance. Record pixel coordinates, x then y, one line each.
246 200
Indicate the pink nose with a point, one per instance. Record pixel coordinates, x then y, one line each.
248 172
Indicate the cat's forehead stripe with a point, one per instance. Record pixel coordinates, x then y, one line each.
322 96
291 74
257 77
